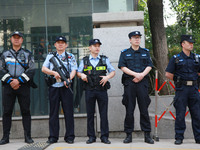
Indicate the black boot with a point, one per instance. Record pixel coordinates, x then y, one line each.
128 138
28 138
147 138
5 139
178 142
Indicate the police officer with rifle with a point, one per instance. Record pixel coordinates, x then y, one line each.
60 66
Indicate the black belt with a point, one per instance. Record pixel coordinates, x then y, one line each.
189 83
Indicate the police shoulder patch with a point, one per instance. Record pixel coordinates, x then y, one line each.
51 52
103 56
124 50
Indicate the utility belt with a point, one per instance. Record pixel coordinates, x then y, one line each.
189 83
179 83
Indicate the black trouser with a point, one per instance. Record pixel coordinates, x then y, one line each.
91 96
9 96
63 95
140 91
187 96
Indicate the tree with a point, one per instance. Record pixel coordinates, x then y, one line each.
159 41
185 9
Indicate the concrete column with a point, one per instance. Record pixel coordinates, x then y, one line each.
117 5
113 33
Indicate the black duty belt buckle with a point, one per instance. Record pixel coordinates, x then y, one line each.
189 83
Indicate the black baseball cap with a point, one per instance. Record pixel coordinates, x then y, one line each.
188 38
134 33
94 41
61 38
17 33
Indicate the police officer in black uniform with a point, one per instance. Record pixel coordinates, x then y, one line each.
135 62
92 70
184 69
16 73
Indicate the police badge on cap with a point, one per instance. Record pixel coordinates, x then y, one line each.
17 33
134 33
188 38
94 41
61 38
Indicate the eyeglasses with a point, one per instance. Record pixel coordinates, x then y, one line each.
135 38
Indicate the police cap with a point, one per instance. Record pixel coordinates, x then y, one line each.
61 38
94 41
17 33
188 38
134 33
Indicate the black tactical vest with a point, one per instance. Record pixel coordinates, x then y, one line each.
94 73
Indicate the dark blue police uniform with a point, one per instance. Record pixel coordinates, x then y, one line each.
185 69
137 61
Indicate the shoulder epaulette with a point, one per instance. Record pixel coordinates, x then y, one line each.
28 51
124 50
50 53
177 55
197 55
5 50
85 57
146 49
103 56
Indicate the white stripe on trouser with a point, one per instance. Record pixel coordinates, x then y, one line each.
5 76
25 77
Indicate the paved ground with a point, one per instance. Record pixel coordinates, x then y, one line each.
116 144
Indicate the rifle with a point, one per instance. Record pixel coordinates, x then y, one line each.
62 71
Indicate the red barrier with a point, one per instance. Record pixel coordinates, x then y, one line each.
162 86
162 115
156 121
187 113
172 115
156 102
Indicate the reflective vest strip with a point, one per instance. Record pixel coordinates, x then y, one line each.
101 68
88 68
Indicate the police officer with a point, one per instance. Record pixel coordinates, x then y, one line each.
92 70
16 73
59 91
135 62
184 69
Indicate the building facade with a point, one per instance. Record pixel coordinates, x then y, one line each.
79 21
